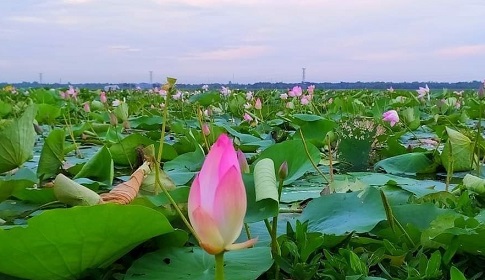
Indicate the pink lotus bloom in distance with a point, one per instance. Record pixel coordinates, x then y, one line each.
284 96
248 106
304 100
391 116
422 91
217 200
249 95
258 105
162 92
177 95
116 103
225 91
311 89
459 93
296 91
390 89
247 117
72 92
205 87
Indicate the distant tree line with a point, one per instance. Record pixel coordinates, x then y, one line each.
268 85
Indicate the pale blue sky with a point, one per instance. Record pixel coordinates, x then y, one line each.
246 41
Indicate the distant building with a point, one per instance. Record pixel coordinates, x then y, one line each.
111 87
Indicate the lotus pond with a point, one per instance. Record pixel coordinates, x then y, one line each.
340 184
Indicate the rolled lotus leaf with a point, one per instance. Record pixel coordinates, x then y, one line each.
72 193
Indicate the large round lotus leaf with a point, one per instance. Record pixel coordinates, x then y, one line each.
63 243
194 263
341 213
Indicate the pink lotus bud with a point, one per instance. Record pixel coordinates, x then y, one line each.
113 120
206 129
257 104
283 171
87 108
102 97
243 163
217 200
391 116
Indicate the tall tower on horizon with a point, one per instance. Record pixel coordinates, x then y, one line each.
303 75
151 77
40 78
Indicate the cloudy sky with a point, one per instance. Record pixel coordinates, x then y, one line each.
246 41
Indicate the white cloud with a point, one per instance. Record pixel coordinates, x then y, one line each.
462 51
230 53
27 19
123 48
385 56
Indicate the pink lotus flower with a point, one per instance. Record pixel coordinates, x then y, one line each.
283 96
257 104
177 95
311 89
225 91
162 92
422 91
72 92
249 95
391 116
304 100
217 200
247 117
390 89
296 91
